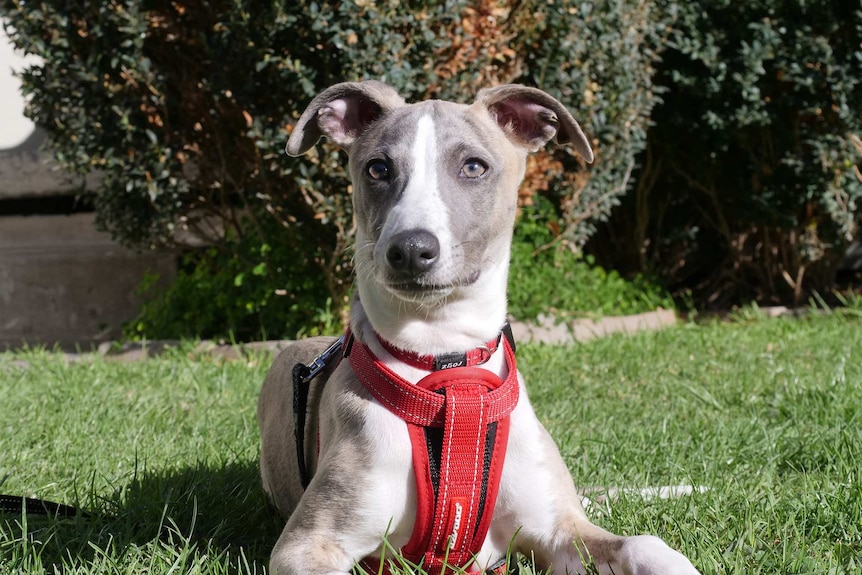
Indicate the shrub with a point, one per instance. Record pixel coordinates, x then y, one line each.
184 108
228 292
750 187
548 278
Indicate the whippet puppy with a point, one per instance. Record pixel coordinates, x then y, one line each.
420 431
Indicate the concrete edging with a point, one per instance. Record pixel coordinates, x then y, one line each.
545 330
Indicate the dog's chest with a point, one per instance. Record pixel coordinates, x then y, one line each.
450 429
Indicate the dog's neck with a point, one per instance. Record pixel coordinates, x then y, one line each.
468 318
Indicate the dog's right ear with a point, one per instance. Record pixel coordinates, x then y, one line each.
341 113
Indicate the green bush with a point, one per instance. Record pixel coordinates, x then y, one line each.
750 187
232 292
184 108
746 177
547 277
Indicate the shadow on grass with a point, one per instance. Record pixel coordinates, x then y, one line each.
219 512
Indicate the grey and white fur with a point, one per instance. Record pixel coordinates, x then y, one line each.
435 191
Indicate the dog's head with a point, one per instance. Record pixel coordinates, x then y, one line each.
435 193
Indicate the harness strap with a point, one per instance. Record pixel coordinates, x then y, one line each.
421 406
458 476
456 524
300 410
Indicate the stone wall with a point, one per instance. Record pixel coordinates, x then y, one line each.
62 282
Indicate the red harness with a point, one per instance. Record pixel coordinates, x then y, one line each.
458 420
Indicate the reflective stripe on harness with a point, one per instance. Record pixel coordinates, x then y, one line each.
458 422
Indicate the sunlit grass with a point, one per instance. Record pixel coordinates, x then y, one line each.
764 413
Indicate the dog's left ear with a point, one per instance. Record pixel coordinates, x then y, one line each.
531 118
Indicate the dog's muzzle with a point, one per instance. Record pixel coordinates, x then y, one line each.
414 268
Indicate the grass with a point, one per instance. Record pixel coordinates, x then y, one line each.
766 413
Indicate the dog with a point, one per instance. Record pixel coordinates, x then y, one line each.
435 193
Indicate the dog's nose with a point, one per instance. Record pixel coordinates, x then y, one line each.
413 251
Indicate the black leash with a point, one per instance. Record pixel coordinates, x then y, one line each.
302 376
17 505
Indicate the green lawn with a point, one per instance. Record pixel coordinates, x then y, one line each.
765 413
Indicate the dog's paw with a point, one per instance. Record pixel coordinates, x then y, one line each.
648 555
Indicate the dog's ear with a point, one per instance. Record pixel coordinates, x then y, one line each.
342 112
532 118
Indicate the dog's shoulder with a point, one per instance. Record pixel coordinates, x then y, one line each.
299 351
275 402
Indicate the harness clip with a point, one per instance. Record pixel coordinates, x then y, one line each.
318 364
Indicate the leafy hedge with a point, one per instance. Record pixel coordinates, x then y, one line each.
184 107
750 187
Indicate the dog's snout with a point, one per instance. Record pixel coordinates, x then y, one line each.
413 251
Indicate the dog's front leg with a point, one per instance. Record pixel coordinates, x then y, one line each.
581 546
360 494
539 502
570 544
301 551
332 528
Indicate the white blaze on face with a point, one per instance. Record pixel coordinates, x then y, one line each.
421 205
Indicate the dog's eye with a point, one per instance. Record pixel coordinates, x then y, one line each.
474 168
377 170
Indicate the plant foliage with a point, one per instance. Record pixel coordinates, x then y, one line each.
751 186
751 173
184 108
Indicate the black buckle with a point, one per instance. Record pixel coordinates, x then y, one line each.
318 364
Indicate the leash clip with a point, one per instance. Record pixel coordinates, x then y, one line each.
318 364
